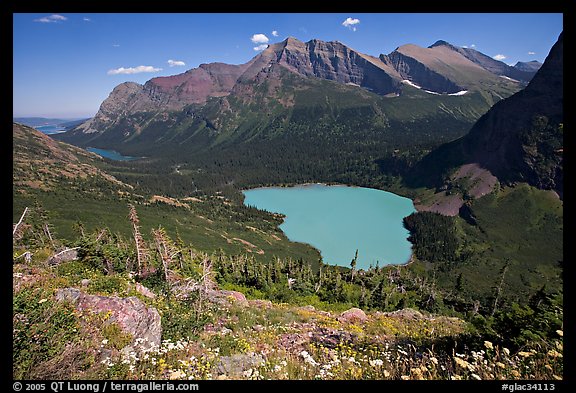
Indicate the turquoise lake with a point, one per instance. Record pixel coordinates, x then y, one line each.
338 220
111 154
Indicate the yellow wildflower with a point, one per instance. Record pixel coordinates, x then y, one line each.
525 354
560 333
554 354
500 364
488 345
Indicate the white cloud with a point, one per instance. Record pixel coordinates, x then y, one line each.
259 39
116 45
274 33
499 57
260 47
473 46
133 70
87 20
176 63
350 23
531 53
464 46
55 18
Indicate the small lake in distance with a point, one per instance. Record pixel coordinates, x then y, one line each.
50 129
337 220
111 154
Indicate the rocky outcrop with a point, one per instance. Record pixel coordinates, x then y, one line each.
130 314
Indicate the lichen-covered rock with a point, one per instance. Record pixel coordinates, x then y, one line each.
240 365
130 314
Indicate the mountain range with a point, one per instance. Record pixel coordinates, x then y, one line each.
272 82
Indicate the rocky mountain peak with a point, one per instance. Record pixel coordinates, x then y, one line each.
440 43
291 43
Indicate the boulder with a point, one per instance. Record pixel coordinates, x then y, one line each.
353 315
237 296
226 297
406 313
236 365
259 303
130 314
69 254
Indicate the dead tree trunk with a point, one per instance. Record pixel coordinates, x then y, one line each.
499 289
141 250
19 222
166 250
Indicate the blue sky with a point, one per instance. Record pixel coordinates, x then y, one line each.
65 65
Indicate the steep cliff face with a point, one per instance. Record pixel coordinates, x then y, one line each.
335 61
418 73
325 60
125 99
194 86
